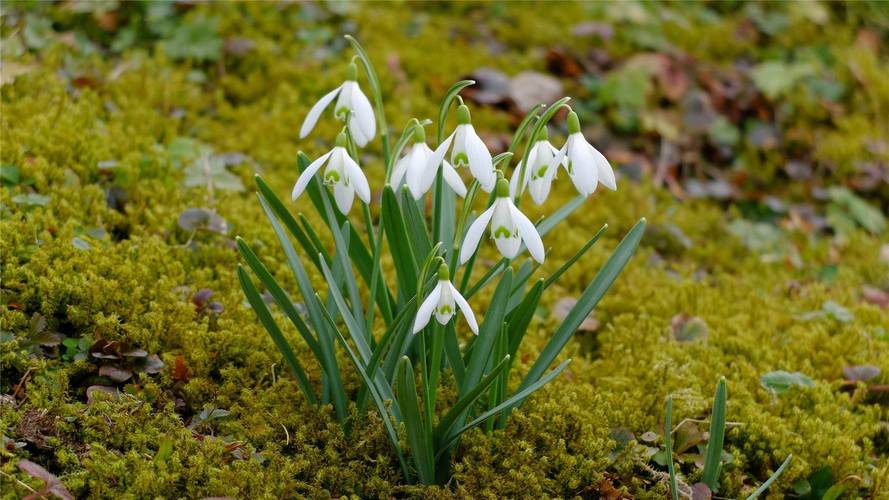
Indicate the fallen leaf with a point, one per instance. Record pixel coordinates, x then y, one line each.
52 484
687 328
875 296
700 491
115 374
861 373
92 390
530 88
779 382
564 306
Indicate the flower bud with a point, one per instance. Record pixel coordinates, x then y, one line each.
351 72
573 123
463 117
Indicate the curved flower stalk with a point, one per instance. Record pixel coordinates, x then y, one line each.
417 173
509 229
469 150
342 174
352 107
441 302
540 171
586 166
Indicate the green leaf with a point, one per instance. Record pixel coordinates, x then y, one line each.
399 242
777 78
415 223
331 373
713 456
668 444
31 200
779 382
268 322
487 334
208 172
510 402
520 317
385 414
10 175
194 38
465 402
547 224
418 436
570 262
587 301
762 489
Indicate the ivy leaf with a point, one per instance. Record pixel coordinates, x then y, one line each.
779 382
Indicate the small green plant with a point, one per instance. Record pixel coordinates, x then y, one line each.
433 256
713 456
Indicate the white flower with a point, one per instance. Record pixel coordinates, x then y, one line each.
509 229
442 301
469 150
586 166
342 174
418 174
540 172
352 106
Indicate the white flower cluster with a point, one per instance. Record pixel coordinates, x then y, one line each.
419 166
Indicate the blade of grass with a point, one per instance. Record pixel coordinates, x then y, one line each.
713 455
271 326
668 444
587 301
762 489
418 436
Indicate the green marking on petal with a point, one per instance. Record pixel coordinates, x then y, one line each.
461 159
332 177
540 172
342 113
502 232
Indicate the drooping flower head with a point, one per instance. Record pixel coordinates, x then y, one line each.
442 302
539 172
414 168
468 150
509 229
342 174
352 107
586 166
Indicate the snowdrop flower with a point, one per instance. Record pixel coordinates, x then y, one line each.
342 174
441 301
586 166
509 228
469 150
414 168
540 171
352 107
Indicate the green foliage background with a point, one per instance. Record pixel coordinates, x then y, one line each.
103 131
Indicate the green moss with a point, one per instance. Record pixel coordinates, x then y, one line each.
136 284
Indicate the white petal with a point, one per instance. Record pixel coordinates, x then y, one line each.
480 163
307 174
362 122
399 170
464 307
315 112
438 155
426 308
445 300
357 178
606 174
416 167
510 243
428 174
528 233
344 196
474 234
582 167
450 175
514 180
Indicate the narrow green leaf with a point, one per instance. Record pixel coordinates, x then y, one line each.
587 301
445 106
510 402
271 326
418 436
547 224
331 380
487 334
523 125
668 443
570 262
289 222
713 456
399 242
465 402
385 414
762 489
415 222
521 317
281 297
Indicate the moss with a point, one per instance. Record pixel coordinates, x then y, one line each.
135 284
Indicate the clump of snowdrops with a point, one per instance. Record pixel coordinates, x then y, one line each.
404 339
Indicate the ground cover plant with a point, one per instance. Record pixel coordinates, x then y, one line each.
752 137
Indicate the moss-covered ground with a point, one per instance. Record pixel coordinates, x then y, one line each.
107 110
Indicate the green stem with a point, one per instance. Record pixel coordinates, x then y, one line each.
435 366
